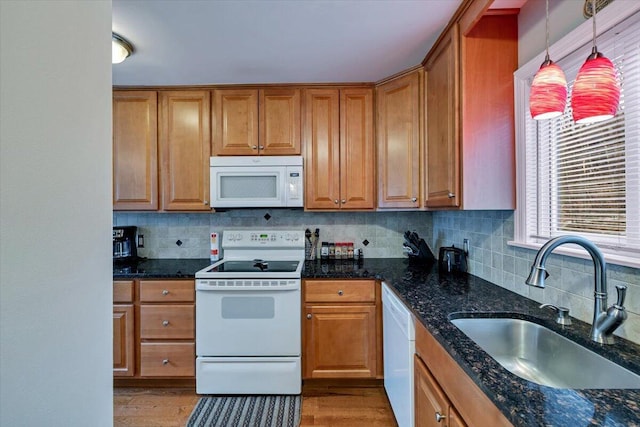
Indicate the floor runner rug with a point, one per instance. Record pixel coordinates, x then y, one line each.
246 411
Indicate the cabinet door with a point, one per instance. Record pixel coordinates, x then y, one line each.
235 122
123 341
279 122
135 150
442 119
185 150
431 404
455 420
398 134
357 165
339 341
322 151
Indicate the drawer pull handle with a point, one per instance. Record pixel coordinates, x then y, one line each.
165 361
340 292
165 323
165 292
439 417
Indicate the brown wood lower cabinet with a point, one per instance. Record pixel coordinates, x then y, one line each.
154 334
123 340
341 329
124 355
444 393
432 408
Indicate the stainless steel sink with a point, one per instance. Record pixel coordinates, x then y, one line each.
538 354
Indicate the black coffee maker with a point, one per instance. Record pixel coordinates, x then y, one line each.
124 244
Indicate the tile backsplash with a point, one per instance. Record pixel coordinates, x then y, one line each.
382 231
570 283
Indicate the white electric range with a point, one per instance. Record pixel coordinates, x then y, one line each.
248 315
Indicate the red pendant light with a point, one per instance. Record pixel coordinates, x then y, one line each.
548 96
596 90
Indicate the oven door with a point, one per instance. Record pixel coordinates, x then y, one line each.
258 317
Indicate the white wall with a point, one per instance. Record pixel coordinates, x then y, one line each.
564 16
55 214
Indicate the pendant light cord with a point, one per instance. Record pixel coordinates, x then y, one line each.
547 59
593 12
547 26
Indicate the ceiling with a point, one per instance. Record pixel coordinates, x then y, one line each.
199 42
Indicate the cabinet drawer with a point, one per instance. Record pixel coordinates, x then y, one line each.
167 291
123 291
167 359
340 291
167 321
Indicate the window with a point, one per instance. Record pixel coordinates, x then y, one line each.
584 179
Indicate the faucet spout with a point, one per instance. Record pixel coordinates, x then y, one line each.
604 323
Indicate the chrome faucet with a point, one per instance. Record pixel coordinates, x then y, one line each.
605 321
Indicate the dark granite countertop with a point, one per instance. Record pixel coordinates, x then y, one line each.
434 299
159 268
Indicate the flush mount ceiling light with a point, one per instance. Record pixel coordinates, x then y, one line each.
596 91
548 96
120 49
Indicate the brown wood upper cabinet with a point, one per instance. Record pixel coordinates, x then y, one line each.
442 113
251 122
135 150
185 150
339 151
470 134
399 139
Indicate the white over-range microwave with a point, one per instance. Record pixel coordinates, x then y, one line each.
256 181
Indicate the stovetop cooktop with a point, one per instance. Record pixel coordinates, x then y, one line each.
253 266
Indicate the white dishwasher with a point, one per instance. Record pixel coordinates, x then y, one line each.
399 348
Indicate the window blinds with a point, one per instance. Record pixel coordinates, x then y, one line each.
585 179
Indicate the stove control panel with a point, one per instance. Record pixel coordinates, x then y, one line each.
271 238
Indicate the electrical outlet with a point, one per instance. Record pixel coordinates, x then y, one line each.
141 240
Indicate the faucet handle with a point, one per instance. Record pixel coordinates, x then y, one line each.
622 293
563 314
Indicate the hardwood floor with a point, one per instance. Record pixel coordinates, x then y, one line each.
326 406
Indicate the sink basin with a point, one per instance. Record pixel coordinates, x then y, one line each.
542 356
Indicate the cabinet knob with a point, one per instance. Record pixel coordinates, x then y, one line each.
206 203
165 323
451 195
340 292
344 201
309 316
165 292
336 201
414 199
439 417
165 361
255 147
262 147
